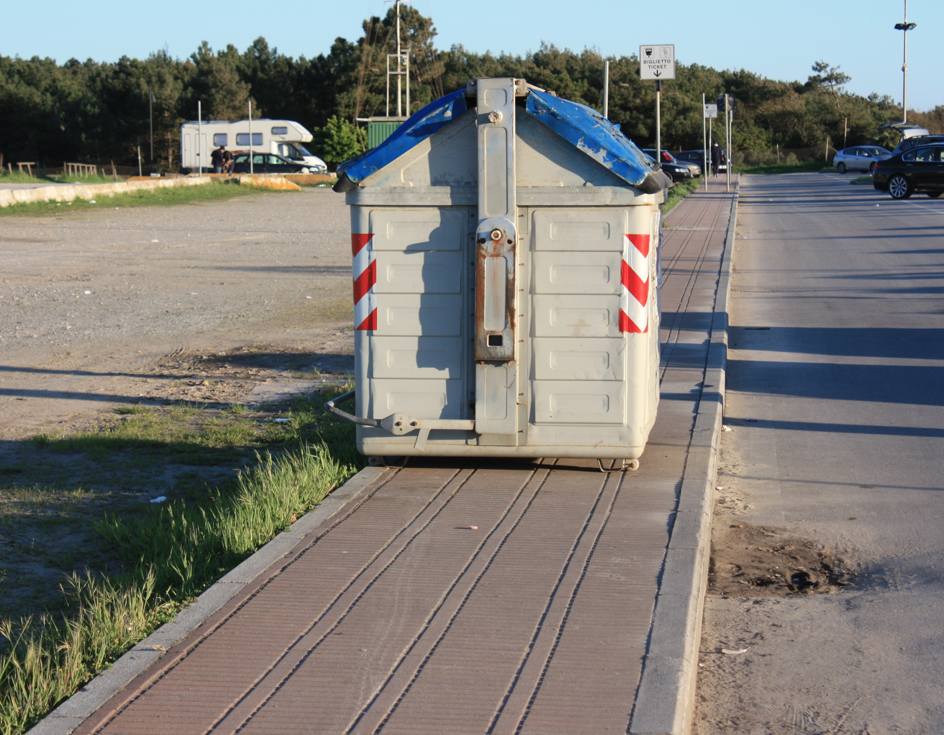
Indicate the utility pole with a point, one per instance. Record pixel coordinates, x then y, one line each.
402 69
151 117
906 26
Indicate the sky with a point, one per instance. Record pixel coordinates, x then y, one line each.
777 39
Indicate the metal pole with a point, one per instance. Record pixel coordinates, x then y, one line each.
659 121
399 63
727 142
906 26
904 72
251 171
151 117
199 135
606 89
704 139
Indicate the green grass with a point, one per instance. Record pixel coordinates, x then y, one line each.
170 196
155 558
678 192
784 168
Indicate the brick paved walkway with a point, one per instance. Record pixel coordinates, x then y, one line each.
481 596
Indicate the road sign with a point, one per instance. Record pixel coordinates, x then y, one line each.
711 110
657 62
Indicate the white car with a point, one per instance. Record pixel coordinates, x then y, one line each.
859 158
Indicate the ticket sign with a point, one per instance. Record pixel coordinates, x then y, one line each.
657 62
711 110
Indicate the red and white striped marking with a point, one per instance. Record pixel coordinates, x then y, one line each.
365 276
634 293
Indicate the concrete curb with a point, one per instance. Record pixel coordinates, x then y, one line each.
665 699
68 193
81 705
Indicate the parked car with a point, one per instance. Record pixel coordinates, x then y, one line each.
269 163
907 144
920 169
697 155
859 158
678 170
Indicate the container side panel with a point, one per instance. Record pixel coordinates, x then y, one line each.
579 359
422 399
411 230
419 315
418 357
578 402
419 350
590 273
575 316
579 354
579 229
432 272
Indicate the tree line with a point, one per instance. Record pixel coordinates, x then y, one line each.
100 112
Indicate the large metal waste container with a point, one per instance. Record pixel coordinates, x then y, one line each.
505 247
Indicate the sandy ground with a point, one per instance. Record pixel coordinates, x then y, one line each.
202 303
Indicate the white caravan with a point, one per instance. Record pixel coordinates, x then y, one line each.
285 137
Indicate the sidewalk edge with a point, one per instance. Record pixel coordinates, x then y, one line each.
665 699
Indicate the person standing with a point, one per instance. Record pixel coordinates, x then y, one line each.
716 157
216 158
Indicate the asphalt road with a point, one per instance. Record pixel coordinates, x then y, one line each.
836 350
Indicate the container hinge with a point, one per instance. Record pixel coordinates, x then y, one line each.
397 423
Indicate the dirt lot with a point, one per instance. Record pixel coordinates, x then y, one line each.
130 305
203 306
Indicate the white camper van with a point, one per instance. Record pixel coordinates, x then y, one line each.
285 137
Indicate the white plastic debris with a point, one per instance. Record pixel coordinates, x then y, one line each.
91 201
733 652
86 292
282 421
726 428
159 499
155 240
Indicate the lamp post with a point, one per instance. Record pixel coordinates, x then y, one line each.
906 26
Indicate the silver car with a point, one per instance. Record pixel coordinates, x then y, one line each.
859 158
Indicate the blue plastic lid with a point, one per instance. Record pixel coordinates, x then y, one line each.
581 126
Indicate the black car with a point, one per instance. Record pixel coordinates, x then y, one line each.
678 171
697 155
267 163
920 169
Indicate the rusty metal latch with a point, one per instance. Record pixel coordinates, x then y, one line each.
495 290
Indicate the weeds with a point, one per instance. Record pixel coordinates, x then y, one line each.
678 192
172 551
48 660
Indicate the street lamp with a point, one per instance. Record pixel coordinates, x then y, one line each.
906 26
